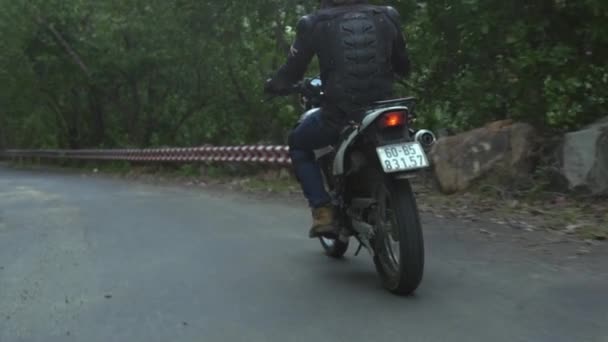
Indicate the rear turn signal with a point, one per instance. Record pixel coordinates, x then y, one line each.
393 119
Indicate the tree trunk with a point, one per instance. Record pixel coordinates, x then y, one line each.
3 137
68 48
98 123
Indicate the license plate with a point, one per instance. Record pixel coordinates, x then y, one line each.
402 157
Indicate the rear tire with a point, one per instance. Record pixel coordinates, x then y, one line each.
401 272
334 248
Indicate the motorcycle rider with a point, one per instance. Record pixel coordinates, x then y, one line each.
360 49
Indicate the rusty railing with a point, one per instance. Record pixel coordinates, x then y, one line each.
256 154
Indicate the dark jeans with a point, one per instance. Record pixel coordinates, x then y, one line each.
311 134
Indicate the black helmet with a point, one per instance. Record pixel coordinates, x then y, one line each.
331 3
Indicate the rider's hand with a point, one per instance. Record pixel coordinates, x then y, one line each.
269 87
305 88
276 88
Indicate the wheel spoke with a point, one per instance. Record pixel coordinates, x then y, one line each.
387 225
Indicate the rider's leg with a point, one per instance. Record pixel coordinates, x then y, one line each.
309 135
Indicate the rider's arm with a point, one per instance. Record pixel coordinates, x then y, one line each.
300 55
401 60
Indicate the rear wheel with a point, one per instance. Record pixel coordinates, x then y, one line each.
334 248
399 242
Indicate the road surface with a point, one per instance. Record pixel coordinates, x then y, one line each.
99 259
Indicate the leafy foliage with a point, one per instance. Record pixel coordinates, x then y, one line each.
538 61
79 73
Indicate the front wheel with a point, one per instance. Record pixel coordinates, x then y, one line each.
399 243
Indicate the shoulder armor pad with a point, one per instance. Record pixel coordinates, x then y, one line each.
305 24
393 14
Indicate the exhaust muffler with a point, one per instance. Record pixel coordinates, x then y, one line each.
425 137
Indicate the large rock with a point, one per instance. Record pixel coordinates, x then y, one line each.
585 158
461 159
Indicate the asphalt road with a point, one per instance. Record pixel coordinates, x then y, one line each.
96 259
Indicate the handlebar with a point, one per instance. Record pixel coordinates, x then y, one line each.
295 88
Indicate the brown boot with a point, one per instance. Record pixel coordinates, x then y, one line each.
323 222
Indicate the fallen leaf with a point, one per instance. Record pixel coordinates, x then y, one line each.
537 211
572 228
514 204
560 200
600 236
583 251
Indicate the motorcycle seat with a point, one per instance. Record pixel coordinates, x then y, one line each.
393 102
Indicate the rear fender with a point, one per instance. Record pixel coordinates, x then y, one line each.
339 168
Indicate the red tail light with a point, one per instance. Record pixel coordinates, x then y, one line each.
393 119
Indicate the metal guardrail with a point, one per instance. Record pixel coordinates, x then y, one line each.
257 154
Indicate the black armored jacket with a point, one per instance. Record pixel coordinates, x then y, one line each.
360 50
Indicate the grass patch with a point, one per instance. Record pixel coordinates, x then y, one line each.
524 203
599 232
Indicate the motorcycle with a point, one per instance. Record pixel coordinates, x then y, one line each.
368 175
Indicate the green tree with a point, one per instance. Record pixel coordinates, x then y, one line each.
81 73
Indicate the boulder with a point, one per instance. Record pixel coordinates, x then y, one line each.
461 159
585 158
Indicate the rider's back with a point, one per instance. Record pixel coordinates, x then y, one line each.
355 45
